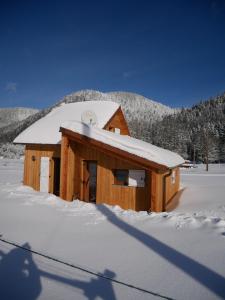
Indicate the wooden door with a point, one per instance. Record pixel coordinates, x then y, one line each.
56 178
85 181
89 181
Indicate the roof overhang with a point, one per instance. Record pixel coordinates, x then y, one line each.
113 151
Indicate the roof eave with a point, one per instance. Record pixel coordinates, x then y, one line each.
114 151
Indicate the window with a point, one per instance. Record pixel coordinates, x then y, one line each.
121 177
114 129
136 178
117 130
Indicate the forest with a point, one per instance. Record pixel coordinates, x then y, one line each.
196 133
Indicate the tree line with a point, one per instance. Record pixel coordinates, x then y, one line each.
197 133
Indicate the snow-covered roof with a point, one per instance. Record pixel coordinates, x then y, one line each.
46 129
126 143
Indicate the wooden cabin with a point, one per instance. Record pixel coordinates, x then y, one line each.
100 162
42 140
102 167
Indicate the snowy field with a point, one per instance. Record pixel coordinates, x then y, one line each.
175 255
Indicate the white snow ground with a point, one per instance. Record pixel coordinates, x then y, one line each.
178 255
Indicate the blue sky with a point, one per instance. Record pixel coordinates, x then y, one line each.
170 51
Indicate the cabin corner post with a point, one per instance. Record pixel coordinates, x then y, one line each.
25 167
70 171
171 187
64 167
156 192
165 194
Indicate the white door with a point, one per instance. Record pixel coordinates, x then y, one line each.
44 175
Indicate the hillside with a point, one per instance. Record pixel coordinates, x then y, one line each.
194 133
137 109
11 115
12 121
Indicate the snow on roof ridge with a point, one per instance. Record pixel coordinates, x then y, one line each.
129 144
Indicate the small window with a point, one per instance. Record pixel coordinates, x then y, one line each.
117 130
121 177
136 178
173 177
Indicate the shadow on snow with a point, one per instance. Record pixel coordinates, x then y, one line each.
202 274
20 278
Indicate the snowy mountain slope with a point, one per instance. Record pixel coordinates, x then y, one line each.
195 131
137 109
131 103
11 115
9 132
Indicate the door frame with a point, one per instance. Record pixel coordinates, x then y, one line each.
85 187
56 175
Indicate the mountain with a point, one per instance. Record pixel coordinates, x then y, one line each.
197 133
137 109
132 104
11 115
10 120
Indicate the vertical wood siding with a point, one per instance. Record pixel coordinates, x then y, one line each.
125 196
156 192
118 121
172 188
32 166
